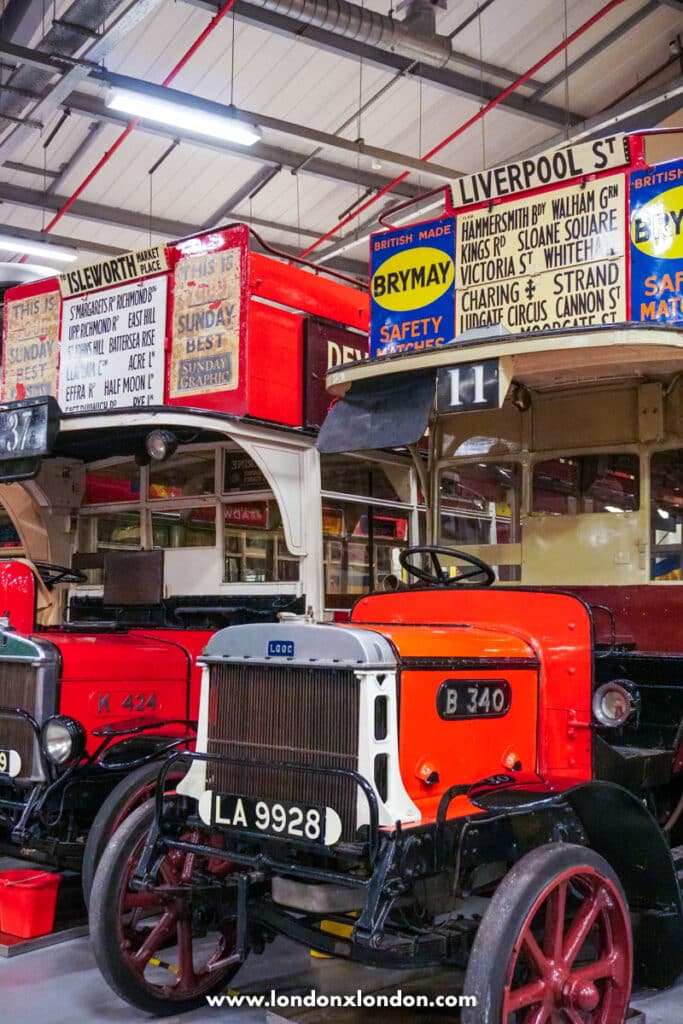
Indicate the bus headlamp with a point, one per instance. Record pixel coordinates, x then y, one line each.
161 444
613 704
63 740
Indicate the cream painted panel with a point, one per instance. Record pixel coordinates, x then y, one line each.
28 520
601 547
191 571
572 421
494 554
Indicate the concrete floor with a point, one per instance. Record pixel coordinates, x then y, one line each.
61 985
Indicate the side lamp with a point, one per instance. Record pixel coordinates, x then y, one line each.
160 445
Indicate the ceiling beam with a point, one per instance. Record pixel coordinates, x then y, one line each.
69 242
21 19
38 172
20 55
636 113
17 195
35 199
92 106
247 191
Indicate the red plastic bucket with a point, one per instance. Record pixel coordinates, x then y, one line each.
27 902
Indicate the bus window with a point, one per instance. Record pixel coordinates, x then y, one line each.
184 528
666 515
479 504
9 538
189 473
109 531
112 484
346 474
577 484
366 523
255 546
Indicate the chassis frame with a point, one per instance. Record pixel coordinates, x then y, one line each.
390 861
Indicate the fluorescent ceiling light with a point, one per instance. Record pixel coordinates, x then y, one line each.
192 119
10 243
37 269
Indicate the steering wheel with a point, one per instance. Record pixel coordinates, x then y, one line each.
52 574
440 577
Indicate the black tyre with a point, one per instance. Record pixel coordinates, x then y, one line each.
554 944
160 952
128 794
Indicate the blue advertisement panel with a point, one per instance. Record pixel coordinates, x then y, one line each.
657 243
412 287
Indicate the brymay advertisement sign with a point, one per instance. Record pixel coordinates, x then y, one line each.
657 243
412 281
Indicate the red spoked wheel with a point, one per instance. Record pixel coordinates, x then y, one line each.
165 948
554 946
131 792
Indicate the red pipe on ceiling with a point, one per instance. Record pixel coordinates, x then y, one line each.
134 123
472 120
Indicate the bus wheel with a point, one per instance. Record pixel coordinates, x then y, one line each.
132 791
554 944
158 949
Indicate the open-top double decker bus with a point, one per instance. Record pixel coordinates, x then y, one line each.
484 767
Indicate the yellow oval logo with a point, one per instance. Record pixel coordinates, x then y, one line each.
412 279
657 227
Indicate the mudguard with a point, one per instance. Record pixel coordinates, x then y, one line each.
622 830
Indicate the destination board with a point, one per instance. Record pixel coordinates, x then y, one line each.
112 348
552 260
551 167
116 270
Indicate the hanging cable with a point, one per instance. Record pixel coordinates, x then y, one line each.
419 126
232 62
298 208
481 87
566 75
